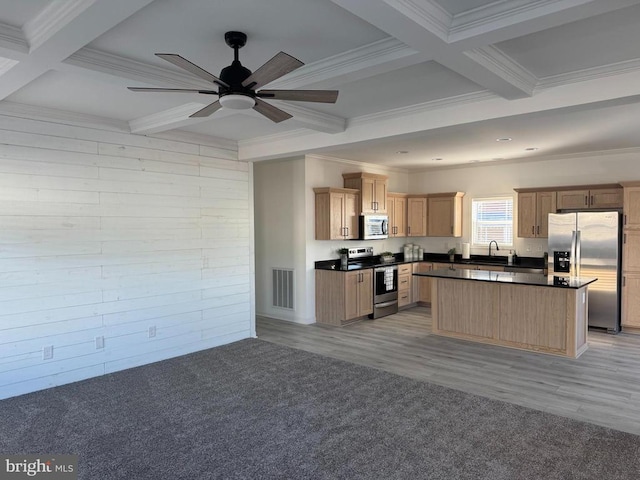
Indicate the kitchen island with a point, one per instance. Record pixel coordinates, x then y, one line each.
534 312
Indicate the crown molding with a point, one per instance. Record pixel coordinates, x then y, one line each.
376 53
427 13
21 110
273 138
422 108
496 61
501 11
593 73
13 41
519 160
92 59
344 161
52 19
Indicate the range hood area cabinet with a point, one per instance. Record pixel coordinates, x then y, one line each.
534 208
373 190
397 211
444 214
435 215
596 196
337 213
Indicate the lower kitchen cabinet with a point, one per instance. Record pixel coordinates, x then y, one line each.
405 281
630 303
423 284
342 297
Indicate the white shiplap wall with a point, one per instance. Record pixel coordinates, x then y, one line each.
105 234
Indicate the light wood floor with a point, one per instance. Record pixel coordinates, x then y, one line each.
602 386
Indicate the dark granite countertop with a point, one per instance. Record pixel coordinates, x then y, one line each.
370 262
509 277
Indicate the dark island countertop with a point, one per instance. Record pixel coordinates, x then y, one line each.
509 277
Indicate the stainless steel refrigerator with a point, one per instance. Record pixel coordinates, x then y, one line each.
592 242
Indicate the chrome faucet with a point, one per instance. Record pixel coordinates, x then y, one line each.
497 247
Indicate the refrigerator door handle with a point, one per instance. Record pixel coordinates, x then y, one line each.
578 255
573 251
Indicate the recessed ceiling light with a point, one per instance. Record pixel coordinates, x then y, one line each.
437 159
498 158
504 139
474 161
531 149
402 152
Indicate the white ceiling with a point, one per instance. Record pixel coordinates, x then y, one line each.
436 78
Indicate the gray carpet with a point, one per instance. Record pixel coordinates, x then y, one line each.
257 410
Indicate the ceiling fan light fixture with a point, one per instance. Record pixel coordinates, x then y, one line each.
237 102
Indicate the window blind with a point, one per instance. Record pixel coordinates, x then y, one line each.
492 219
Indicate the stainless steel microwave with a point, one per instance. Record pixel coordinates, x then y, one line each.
374 227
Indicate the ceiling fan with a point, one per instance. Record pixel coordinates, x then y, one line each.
239 88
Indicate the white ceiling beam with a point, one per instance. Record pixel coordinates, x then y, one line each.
500 21
420 25
173 118
69 26
312 119
13 44
421 118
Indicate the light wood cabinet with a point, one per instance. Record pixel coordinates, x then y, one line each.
373 190
631 206
342 297
631 302
630 314
405 281
423 284
417 216
533 213
336 213
445 214
596 197
397 211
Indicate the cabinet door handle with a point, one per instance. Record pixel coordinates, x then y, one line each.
624 238
409 229
538 229
586 199
625 218
533 229
591 201
347 231
624 281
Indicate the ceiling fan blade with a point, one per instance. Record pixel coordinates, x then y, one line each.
179 90
281 64
185 64
271 112
321 96
208 110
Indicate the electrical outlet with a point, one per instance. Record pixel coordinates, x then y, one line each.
47 352
99 343
152 331
528 249
538 248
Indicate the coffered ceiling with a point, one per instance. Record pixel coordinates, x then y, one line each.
441 80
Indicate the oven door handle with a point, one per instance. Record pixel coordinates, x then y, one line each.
385 304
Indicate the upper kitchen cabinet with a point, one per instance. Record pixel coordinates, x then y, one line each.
373 190
397 211
596 196
445 214
534 208
631 205
337 213
416 216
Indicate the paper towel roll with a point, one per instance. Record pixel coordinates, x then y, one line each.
465 250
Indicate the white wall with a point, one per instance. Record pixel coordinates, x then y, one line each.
105 234
280 233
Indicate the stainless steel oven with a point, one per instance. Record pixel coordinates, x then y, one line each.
385 291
